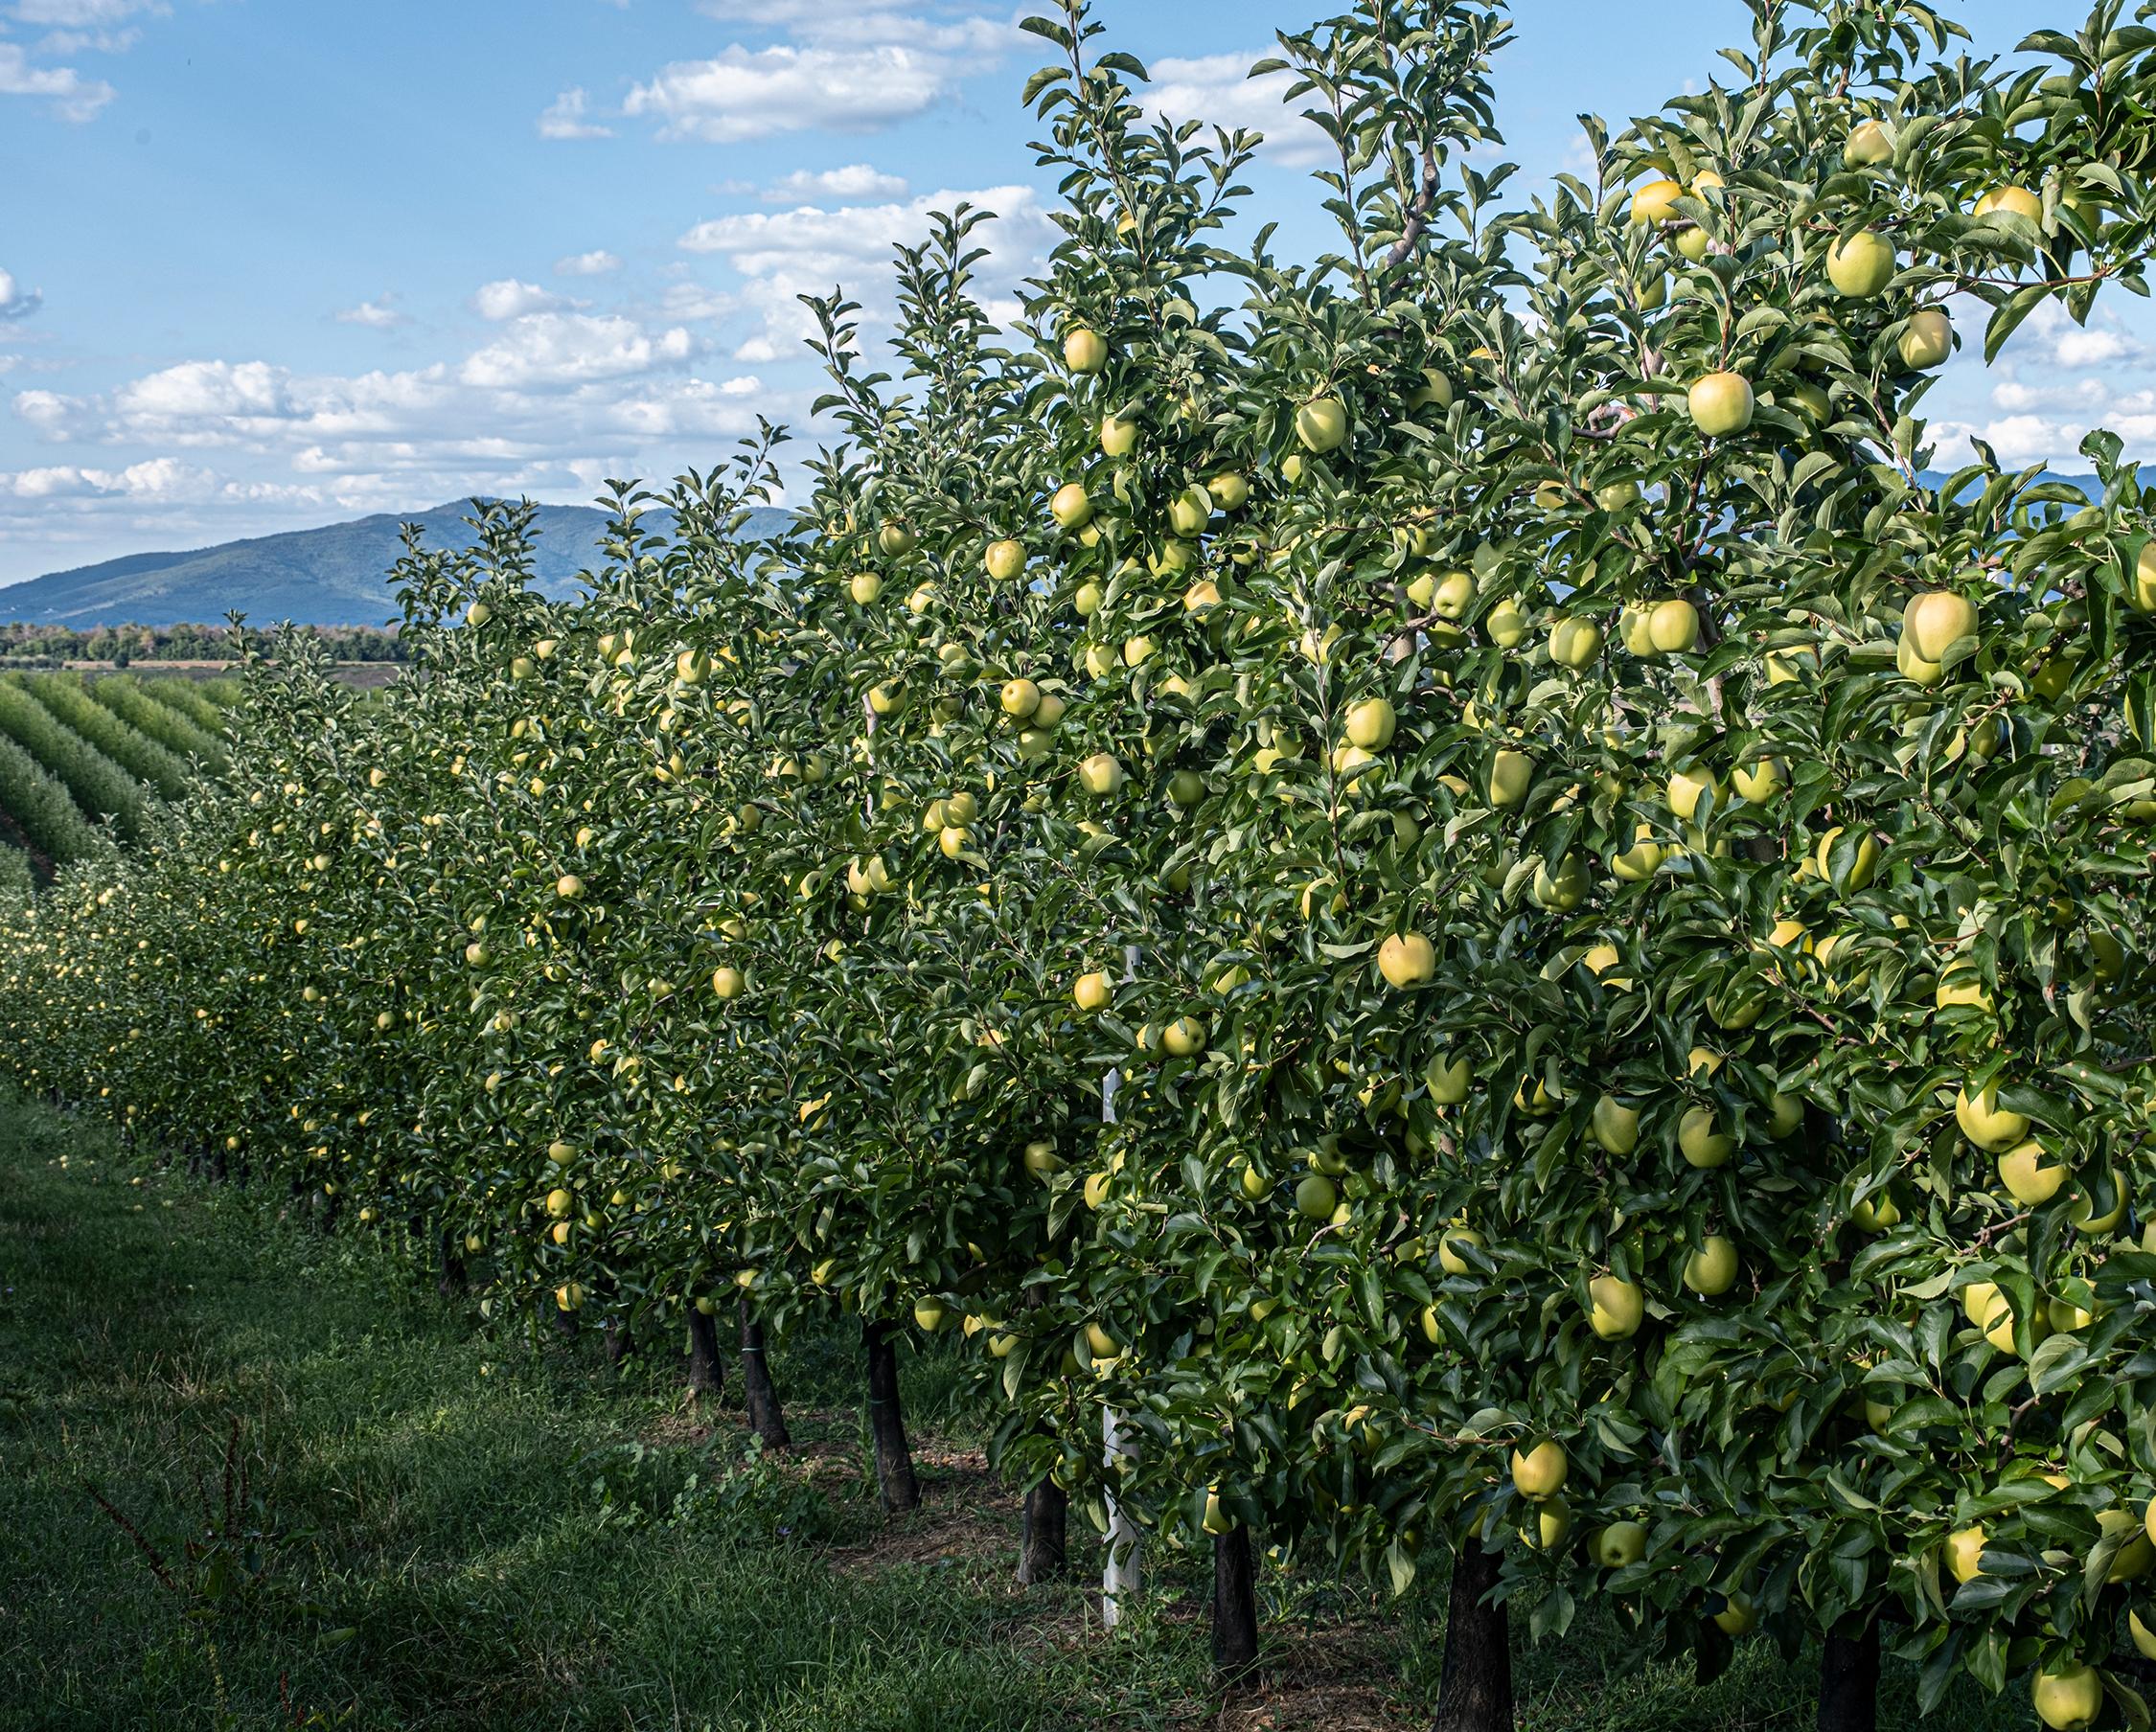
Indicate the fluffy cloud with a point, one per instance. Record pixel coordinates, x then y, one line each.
564 118
855 180
550 348
1218 90
375 315
813 249
159 478
510 299
743 93
16 301
595 264
74 98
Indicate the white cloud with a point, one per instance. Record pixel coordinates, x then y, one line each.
814 249
566 118
550 348
83 14
375 315
1217 89
855 180
158 478
16 301
511 299
744 93
693 301
74 97
948 24
595 264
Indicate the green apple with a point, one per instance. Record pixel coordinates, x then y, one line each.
1927 339
1861 265
1711 1270
1085 350
1869 144
1322 424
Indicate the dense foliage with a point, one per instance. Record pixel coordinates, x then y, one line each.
1435 875
122 644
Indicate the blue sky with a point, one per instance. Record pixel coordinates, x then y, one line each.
267 263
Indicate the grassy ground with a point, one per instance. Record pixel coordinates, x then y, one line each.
402 1522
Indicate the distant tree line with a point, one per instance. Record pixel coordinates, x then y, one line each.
122 645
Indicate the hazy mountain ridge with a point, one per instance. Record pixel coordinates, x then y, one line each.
337 574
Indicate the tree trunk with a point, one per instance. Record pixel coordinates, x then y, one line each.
1848 1678
1235 1606
453 1281
764 1416
708 1370
887 1423
620 1342
1475 1692
1043 1548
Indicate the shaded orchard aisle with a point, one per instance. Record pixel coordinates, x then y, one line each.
464 1535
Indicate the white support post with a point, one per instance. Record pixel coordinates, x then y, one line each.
1121 1574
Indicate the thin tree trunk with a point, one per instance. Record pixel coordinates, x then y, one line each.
453 1281
1848 1678
1235 1606
764 1416
708 1370
887 1423
1476 1694
1042 1550
620 1342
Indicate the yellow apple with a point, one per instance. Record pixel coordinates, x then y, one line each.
1072 506
1985 1123
1641 861
1720 404
1092 992
2069 1698
1672 627
2010 201
1510 773
1614 1308
1407 959
1539 1472
2026 1178
1370 725
1656 201
1102 774
1870 143
1702 1145
1615 1126
1964 1553
1451 1261
1575 643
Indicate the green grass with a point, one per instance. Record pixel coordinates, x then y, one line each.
462 1531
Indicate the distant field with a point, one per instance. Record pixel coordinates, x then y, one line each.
86 754
360 676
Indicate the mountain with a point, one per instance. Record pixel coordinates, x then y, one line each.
335 576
